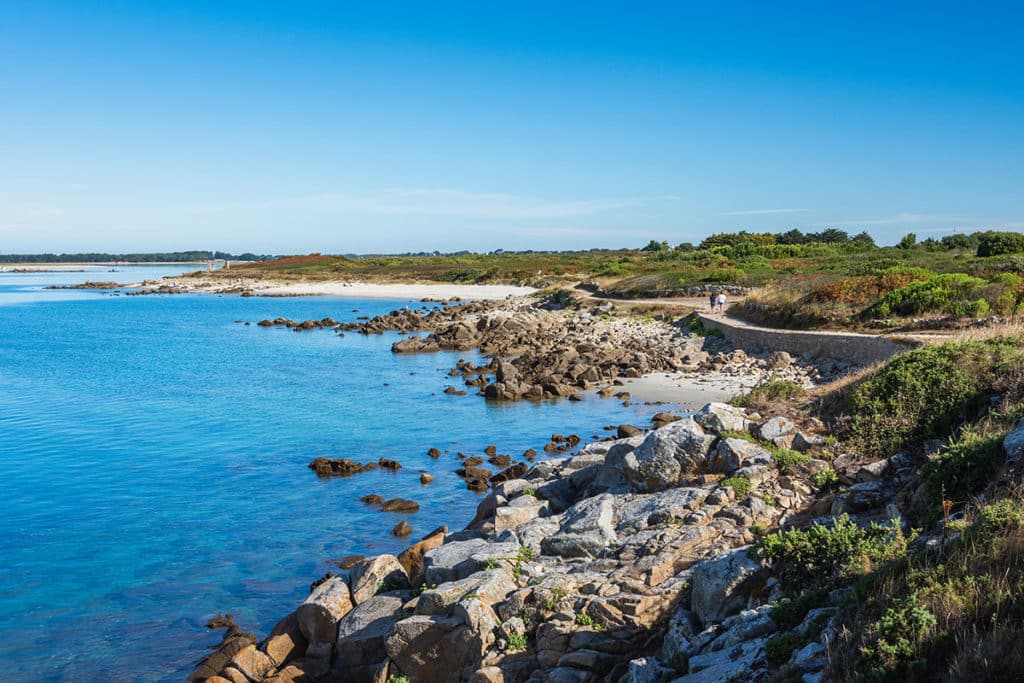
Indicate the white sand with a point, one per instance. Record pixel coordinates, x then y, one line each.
689 390
365 290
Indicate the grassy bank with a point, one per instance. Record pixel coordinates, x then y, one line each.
951 609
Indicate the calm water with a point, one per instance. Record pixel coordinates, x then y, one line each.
154 459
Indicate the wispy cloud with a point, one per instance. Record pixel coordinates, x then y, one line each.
898 218
442 202
761 212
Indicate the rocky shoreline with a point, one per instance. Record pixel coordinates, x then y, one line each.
625 560
561 346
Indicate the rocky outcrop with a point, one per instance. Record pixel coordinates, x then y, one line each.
626 561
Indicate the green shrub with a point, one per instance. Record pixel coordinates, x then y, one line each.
952 293
820 554
789 613
965 467
994 243
516 642
788 461
740 485
826 478
926 392
695 326
780 648
769 392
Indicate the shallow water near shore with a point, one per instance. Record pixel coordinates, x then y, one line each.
154 455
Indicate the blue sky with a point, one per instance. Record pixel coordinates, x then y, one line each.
336 127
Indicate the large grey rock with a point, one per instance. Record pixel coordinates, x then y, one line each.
735 664
535 531
1014 445
424 648
722 417
803 441
519 511
376 573
362 635
731 454
647 670
664 455
586 528
721 584
459 559
638 512
319 615
746 625
490 587
680 636
776 427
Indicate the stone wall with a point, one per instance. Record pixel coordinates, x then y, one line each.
862 349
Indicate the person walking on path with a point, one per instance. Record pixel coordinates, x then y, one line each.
714 300
721 302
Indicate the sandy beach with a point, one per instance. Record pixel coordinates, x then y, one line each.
688 390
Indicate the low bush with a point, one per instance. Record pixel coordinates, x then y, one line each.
928 392
789 461
835 554
740 485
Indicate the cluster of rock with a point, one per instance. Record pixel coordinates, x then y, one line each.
622 562
536 353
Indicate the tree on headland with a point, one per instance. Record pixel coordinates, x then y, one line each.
655 245
908 241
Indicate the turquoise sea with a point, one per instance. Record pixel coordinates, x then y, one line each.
154 456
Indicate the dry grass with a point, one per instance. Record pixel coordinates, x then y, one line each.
954 615
1014 327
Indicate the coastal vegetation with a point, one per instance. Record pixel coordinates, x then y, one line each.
800 280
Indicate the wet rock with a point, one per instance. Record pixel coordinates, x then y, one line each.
372 499
389 464
339 467
426 478
434 453
401 529
400 505
213 663
661 419
626 431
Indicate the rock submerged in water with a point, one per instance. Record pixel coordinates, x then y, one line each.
372 499
426 478
339 467
401 529
387 464
400 505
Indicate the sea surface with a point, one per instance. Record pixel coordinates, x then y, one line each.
153 452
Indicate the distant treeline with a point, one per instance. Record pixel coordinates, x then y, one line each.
157 257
